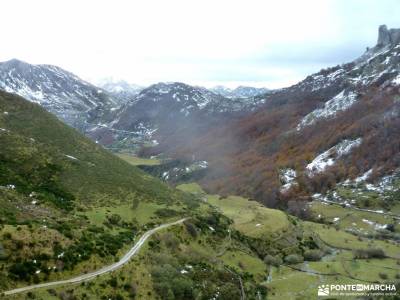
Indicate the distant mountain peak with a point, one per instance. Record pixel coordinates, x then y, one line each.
120 88
14 61
241 91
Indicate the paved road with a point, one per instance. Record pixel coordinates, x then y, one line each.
107 269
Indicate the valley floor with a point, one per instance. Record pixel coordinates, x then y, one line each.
287 281
255 253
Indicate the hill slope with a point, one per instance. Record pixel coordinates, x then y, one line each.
88 168
67 204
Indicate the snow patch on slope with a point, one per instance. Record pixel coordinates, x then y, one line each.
363 177
396 80
288 178
329 157
340 102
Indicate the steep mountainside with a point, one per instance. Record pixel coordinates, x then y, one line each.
89 169
70 98
65 201
335 125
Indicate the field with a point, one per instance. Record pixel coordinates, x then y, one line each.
284 282
138 161
143 213
250 217
343 240
346 218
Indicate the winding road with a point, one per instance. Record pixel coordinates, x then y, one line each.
104 270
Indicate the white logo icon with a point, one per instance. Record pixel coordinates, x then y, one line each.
323 290
359 287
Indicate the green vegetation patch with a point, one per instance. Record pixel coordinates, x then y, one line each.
138 161
249 217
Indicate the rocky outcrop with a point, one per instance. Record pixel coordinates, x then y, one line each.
388 36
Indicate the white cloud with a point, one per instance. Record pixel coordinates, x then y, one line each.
270 42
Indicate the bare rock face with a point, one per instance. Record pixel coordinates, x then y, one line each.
383 36
388 37
395 36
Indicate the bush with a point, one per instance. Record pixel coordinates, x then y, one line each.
191 229
166 213
294 259
230 291
7 236
30 295
22 271
313 255
383 276
3 254
114 219
170 240
52 292
275 261
132 289
169 284
113 282
369 253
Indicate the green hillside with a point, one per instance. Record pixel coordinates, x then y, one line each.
39 141
61 195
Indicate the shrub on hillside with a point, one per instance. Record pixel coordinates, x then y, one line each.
114 219
369 253
166 213
170 284
275 261
313 255
383 276
294 259
3 254
190 228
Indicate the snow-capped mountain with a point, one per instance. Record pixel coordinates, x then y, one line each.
167 109
164 108
239 92
343 86
333 126
117 109
120 89
72 99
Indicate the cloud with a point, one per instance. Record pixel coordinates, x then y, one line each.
254 41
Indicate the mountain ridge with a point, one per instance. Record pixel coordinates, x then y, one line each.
245 155
72 99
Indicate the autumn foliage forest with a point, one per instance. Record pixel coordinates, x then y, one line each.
246 154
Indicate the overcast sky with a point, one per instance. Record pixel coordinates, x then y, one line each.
205 42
